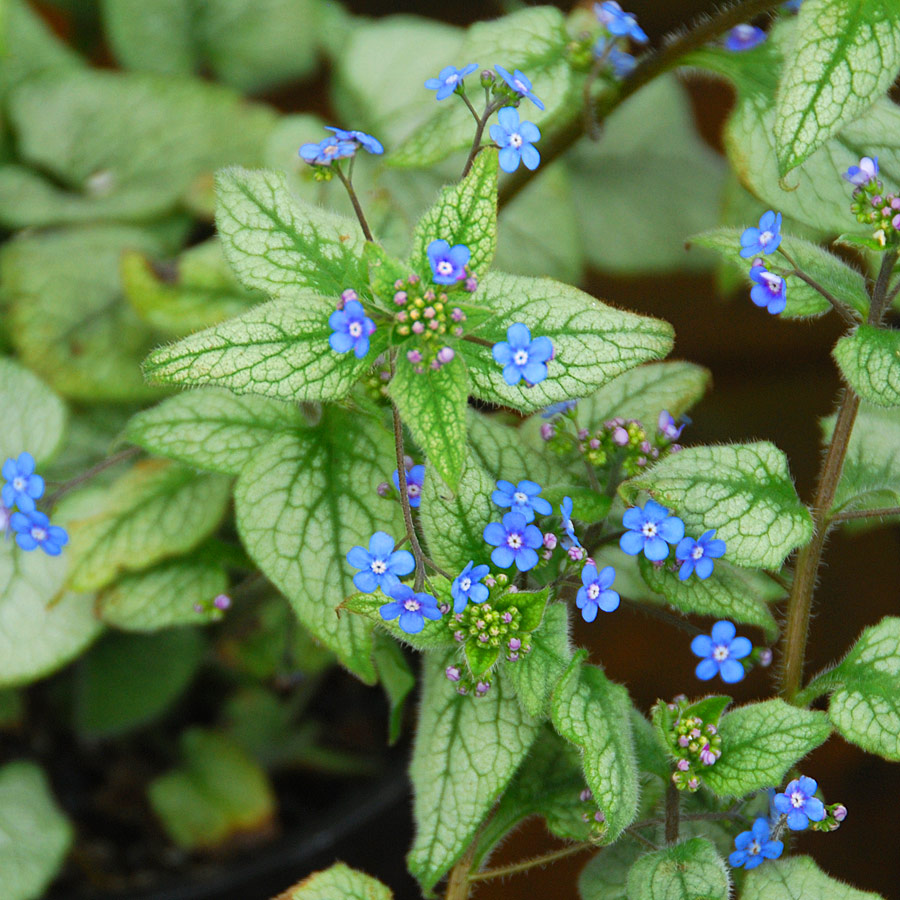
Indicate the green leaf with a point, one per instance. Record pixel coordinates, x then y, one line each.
151 39
129 680
729 593
454 522
797 878
301 503
220 791
279 349
593 713
760 743
870 361
35 836
338 881
282 245
744 491
593 343
212 428
34 417
433 406
846 55
506 451
692 870
156 510
650 747
465 213
163 596
604 877
842 281
398 680
466 751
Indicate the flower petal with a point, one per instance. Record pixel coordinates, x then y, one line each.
702 645
723 632
732 671
706 669
631 543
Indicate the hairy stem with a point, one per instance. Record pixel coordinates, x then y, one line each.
673 813
87 475
839 307
489 110
880 513
533 863
356 206
880 298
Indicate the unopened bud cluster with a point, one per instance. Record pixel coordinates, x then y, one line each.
696 745
872 206
835 813
375 382
214 608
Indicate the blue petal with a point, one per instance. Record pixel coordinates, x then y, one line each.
687 567
541 349
365 581
702 645
782 803
536 101
467 70
411 622
502 557
341 342
684 548
655 549
24 502
797 821
530 156
26 464
806 784
631 543
633 518
8 496
401 562
671 529
508 117
444 91
381 544
479 572
499 135
9 469
512 374
542 506
737 859
740 647
494 534
772 849
704 568
51 548
706 669
529 132
459 255
608 601
723 632
478 593
815 809
533 537
535 372
509 159
35 486
731 671
502 354
589 574
589 612
715 549
390 610
361 346
526 559
607 577
654 512
359 557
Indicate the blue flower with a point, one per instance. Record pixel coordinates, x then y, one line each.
650 529
412 608
520 84
449 79
352 328
33 529
415 478
619 23
565 510
514 541
522 357
22 486
799 805
770 290
522 498
744 37
720 653
381 565
448 264
515 140
558 409
594 593
366 141
698 555
467 586
792 5
753 846
764 239
864 172
667 427
327 150
622 63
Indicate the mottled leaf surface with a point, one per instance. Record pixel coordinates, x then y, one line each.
692 870
33 416
870 361
798 878
338 881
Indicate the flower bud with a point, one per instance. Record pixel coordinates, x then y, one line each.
445 355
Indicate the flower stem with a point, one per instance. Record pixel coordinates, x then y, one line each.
533 863
360 215
489 110
673 813
880 298
101 466
839 307
404 501
881 512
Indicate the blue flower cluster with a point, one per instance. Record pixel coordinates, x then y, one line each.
340 145
620 27
720 653
752 847
22 486
744 37
770 290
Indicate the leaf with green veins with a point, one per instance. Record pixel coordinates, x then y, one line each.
301 503
212 428
280 244
67 317
845 56
744 491
156 510
35 835
34 417
760 743
504 450
151 39
688 871
163 596
729 593
797 878
396 678
604 877
465 213
384 272
594 713
454 522
535 674
592 343
279 349
839 279
466 751
338 881
870 361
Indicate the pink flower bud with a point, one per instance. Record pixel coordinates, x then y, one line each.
418 327
400 298
222 601
452 673
445 355
414 356
594 444
547 431
457 315
683 765
429 312
620 436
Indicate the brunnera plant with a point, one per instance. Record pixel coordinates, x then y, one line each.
330 399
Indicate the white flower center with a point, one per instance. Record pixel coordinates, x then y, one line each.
720 652
649 529
515 140
466 583
412 604
520 497
697 552
445 267
330 150
379 566
765 237
452 79
773 282
754 849
520 357
519 86
413 489
355 329
514 540
39 534
798 799
18 483
593 591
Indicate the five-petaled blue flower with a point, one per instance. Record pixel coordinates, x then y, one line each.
565 511
522 498
770 290
413 608
467 586
415 478
520 84
594 593
514 541
449 79
618 22
33 530
366 141
799 805
22 486
720 653
522 357
667 427
327 150
765 238
744 37
448 264
753 846
381 565
650 528
698 556
515 140
864 172
352 328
